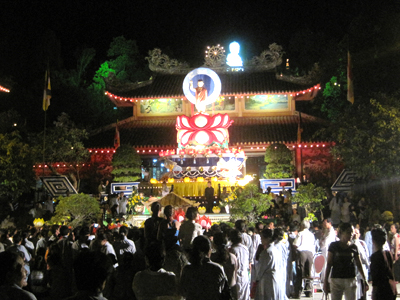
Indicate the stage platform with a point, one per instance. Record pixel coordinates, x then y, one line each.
137 220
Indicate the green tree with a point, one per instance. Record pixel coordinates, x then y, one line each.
310 198
249 203
279 161
126 164
16 174
334 97
64 144
75 210
125 59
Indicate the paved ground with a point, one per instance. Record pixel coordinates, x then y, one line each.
318 295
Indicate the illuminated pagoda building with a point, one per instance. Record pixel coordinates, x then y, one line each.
214 121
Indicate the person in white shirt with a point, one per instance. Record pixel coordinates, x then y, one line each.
189 229
328 236
124 244
305 246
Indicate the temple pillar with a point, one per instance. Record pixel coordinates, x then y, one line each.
299 161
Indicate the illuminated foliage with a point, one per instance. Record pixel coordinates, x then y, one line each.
76 209
16 175
64 143
250 203
126 164
310 198
279 162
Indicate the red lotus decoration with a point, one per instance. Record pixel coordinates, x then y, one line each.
203 130
205 222
179 215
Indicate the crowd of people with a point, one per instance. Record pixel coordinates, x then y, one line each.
170 260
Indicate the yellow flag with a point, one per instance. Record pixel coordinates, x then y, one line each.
47 91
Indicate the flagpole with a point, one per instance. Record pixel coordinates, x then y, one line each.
44 138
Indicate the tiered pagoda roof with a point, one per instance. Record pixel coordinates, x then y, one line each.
234 84
260 130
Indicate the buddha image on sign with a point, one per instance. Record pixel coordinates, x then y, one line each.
201 95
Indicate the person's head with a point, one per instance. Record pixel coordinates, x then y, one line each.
12 269
200 83
278 234
91 270
123 231
191 213
327 223
155 208
394 228
64 230
224 189
294 211
356 234
267 236
345 232
271 225
241 225
55 230
102 238
201 249
84 231
235 236
259 227
17 239
294 228
220 239
304 225
315 224
378 237
155 256
168 211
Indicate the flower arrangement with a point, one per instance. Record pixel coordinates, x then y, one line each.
135 203
216 209
200 179
202 210
38 222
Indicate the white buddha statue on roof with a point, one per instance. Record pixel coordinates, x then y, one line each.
233 59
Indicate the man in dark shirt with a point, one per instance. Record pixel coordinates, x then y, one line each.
209 195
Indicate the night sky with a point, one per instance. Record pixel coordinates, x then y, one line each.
182 29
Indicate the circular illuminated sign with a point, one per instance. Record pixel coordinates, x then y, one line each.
211 82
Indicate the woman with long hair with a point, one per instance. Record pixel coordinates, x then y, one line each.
381 268
340 274
227 260
203 279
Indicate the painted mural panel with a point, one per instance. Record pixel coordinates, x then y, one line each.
223 104
267 102
161 106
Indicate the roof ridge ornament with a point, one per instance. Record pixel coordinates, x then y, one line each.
268 59
313 76
159 62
